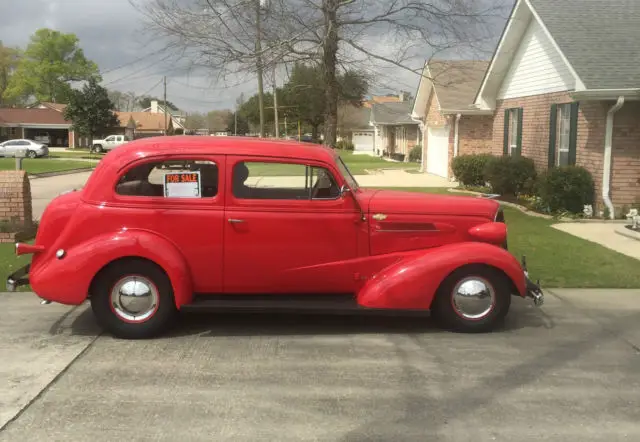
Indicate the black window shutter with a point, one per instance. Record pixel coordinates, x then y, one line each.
520 119
573 133
553 126
505 147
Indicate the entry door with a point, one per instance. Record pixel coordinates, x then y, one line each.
280 237
438 151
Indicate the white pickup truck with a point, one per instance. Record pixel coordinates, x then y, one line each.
109 143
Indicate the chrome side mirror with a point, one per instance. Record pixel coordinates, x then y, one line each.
344 190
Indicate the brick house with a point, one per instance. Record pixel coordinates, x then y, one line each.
564 89
395 132
39 123
449 123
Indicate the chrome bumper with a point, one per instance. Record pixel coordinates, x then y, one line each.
533 288
18 278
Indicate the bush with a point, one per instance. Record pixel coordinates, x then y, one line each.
397 156
469 170
415 155
345 145
508 175
567 188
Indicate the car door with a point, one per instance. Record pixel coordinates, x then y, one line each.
279 238
4 148
109 142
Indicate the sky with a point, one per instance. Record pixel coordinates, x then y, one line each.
112 34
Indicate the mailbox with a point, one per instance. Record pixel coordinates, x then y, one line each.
20 154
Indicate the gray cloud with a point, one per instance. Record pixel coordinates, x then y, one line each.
111 33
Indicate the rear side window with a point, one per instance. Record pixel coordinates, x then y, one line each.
171 179
282 181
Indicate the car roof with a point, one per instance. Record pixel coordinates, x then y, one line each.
231 145
111 165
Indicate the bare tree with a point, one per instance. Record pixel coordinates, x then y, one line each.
231 36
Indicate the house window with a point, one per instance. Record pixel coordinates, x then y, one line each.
563 133
13 131
513 131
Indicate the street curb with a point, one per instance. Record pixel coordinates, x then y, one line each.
62 172
628 233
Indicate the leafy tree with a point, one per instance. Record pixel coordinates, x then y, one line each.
250 109
145 102
51 61
305 92
242 124
9 58
195 120
90 110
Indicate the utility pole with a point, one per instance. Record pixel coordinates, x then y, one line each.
259 65
285 126
165 106
235 122
275 104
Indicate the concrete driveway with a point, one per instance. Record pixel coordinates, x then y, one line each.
43 190
566 372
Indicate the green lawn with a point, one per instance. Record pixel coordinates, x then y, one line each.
42 165
84 154
562 260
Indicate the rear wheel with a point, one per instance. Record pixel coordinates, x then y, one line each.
133 299
473 299
31 154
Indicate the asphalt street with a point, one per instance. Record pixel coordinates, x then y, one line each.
565 372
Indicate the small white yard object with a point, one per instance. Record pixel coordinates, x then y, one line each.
634 218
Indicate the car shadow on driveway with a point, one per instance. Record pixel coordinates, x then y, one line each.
521 316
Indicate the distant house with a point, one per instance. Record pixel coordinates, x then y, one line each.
146 124
396 133
564 88
42 123
449 124
353 125
178 118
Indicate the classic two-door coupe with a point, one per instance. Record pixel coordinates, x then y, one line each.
181 223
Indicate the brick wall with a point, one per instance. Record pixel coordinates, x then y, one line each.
15 201
625 178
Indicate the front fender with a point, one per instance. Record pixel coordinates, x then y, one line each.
412 282
67 280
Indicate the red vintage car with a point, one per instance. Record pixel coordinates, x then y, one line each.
180 223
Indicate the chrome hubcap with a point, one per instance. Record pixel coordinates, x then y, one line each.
134 298
473 298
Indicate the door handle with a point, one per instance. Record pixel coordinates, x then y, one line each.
235 221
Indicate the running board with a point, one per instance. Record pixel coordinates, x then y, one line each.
299 304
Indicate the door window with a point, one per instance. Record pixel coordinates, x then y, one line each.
171 179
111 138
282 181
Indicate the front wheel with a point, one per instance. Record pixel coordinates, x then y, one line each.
97 148
473 299
133 299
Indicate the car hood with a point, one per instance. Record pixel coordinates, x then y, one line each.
390 201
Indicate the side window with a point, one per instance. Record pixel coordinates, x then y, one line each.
282 181
110 138
171 179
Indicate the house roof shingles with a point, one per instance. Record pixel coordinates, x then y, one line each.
392 113
598 37
457 81
22 116
144 120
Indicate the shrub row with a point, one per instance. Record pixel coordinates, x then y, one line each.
567 188
345 145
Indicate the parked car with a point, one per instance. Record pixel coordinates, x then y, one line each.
143 243
34 149
108 143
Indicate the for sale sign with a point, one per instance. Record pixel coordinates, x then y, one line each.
182 185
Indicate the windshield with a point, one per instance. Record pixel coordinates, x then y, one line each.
351 181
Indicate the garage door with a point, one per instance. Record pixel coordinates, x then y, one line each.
363 141
438 151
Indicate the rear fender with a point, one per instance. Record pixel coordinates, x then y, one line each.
412 282
67 280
